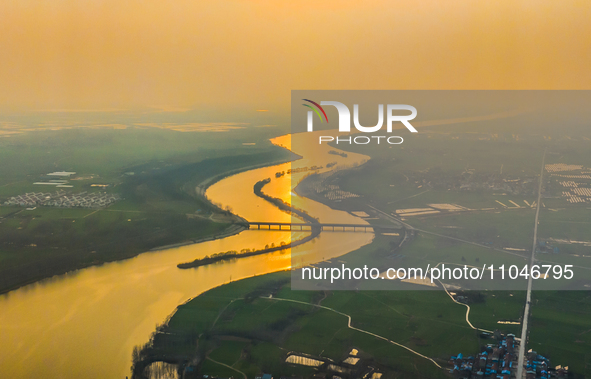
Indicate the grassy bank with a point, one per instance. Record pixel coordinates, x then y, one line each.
232 255
160 206
239 325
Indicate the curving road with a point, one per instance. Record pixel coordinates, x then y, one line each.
228 366
465 305
354 328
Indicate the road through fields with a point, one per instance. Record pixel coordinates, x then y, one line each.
520 371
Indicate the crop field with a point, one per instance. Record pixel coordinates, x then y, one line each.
500 229
239 325
561 328
572 226
154 171
431 169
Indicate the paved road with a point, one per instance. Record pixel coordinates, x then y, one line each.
522 345
410 227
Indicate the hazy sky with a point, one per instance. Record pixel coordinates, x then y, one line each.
102 54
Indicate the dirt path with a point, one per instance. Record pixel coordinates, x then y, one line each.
228 366
357 329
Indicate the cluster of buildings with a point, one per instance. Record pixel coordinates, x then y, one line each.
561 167
472 181
62 200
333 192
84 200
577 195
496 361
353 366
32 199
322 186
545 247
497 182
575 192
434 209
499 361
61 182
538 366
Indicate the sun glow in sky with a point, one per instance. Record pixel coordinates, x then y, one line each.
104 54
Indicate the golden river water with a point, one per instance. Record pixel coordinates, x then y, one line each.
85 324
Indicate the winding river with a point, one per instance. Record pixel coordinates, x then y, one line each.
85 324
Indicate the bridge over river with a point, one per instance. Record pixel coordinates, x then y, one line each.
326 227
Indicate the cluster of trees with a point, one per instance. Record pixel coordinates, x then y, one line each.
279 203
46 247
233 254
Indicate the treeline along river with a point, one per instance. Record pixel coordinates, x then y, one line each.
86 323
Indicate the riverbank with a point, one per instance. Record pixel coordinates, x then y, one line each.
258 190
73 261
90 238
113 307
200 191
232 230
230 257
256 323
